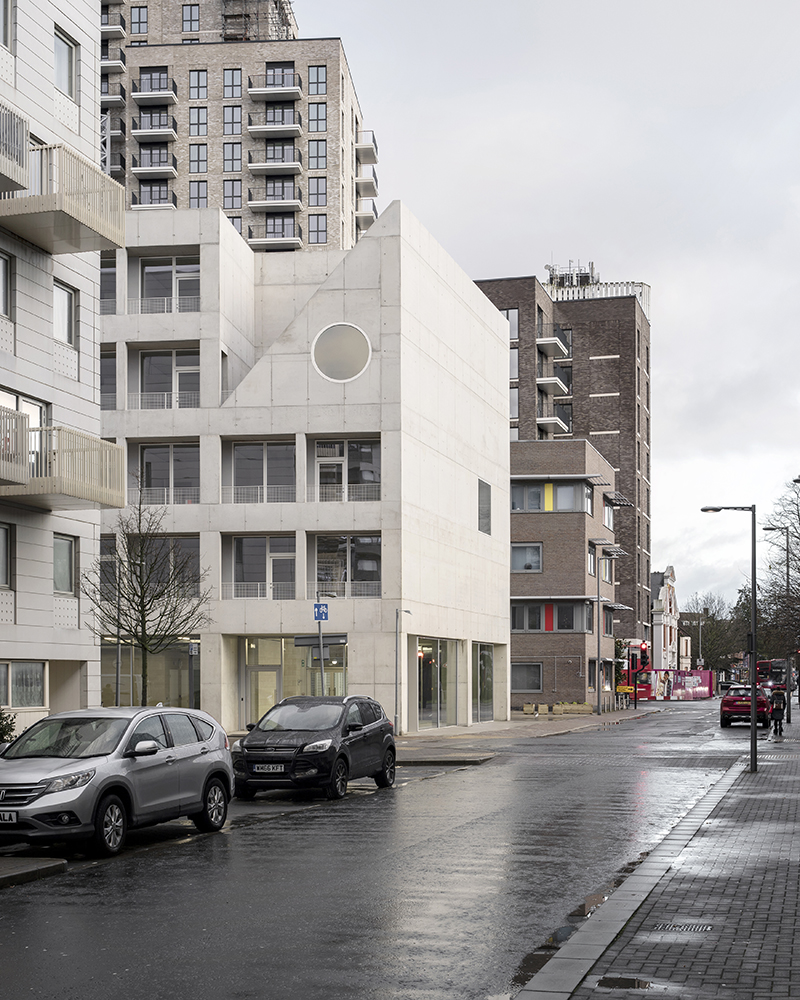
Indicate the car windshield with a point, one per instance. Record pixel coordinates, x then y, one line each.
299 716
76 737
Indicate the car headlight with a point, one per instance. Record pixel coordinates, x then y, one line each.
236 747
69 781
319 747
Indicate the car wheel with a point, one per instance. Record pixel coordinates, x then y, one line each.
337 785
385 777
724 722
243 792
110 827
215 808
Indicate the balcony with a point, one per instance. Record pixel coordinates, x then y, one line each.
287 162
341 493
70 206
112 95
366 148
258 494
366 213
356 589
153 199
553 379
112 26
117 164
261 591
286 237
277 86
165 496
163 400
367 184
554 419
554 341
71 470
154 166
286 199
275 123
14 142
152 307
13 447
114 128
112 60
151 90
154 128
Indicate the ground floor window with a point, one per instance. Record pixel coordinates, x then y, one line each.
526 678
173 676
437 668
22 684
482 682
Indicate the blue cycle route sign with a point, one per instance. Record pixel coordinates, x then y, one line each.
320 612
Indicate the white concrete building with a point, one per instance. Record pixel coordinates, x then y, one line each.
56 206
664 654
329 426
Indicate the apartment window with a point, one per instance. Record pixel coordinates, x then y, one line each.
37 412
588 500
5 23
526 678
349 564
317 117
608 515
236 222
198 159
317 154
232 194
526 617
22 684
232 156
605 569
318 229
526 496
153 78
484 507
153 193
257 465
5 286
65 61
513 402
198 84
358 461
138 20
317 191
63 313
513 363
608 621
318 79
191 17
63 564
170 474
198 121
170 379
512 315
526 558
134 42
5 556
231 83
592 560
198 194
232 120
165 278
108 380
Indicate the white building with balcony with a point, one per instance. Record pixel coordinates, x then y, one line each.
326 428
56 473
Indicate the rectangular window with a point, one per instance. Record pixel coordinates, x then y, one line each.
236 222
198 194
512 315
63 564
564 497
608 515
232 120
198 159
198 121
318 229
317 154
191 17
5 23
608 621
5 556
318 79
513 402
588 500
526 677
170 474
108 380
565 617
513 362
318 118
484 507
592 560
5 286
231 83
524 496
65 52
605 569
63 313
232 156
526 558
153 193
317 191
26 686
198 84
153 78
138 20
349 565
232 194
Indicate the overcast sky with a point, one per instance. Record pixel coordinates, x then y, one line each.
662 142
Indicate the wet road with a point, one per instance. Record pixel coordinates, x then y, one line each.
438 888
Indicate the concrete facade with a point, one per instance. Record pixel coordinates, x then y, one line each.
413 384
664 650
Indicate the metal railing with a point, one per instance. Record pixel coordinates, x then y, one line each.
154 123
165 496
159 199
14 141
113 127
564 414
179 304
275 116
278 79
112 55
323 588
154 85
108 401
284 155
279 229
163 400
258 494
112 20
111 89
549 369
13 446
355 493
260 591
367 138
155 158
288 192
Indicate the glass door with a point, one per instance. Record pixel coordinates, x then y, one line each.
263 690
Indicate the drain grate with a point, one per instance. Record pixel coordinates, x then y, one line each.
691 928
623 983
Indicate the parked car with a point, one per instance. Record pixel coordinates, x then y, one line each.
306 742
735 705
91 775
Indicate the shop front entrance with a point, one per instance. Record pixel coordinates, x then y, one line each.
263 690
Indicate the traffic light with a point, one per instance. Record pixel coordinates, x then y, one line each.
644 659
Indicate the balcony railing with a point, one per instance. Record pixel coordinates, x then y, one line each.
284 233
69 206
14 143
554 378
163 400
112 25
155 158
154 90
154 199
554 340
275 120
276 157
283 591
108 401
323 589
111 94
13 446
275 80
179 304
112 59
258 494
71 470
356 493
165 496
366 147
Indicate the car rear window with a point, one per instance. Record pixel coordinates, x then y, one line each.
205 729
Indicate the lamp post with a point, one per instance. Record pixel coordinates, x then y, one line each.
771 527
752 650
397 613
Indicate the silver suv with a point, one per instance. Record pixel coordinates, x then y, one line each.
91 774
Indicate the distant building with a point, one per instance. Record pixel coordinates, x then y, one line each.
664 653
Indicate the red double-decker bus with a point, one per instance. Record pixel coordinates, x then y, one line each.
772 673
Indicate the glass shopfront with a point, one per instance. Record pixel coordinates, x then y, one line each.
482 682
173 675
437 668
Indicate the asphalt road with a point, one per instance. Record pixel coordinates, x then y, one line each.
439 888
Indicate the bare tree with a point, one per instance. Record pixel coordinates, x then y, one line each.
720 640
779 593
149 586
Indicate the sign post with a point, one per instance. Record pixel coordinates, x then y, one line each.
320 616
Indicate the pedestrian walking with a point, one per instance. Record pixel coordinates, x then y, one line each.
778 702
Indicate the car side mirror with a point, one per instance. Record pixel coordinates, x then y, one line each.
353 727
250 726
145 748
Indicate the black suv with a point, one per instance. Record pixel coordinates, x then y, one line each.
315 743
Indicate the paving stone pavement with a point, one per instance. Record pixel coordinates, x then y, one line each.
719 921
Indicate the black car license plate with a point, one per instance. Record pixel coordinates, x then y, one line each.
268 768
8 817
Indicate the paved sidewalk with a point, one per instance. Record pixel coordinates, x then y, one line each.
711 914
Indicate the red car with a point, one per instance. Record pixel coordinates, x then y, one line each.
735 706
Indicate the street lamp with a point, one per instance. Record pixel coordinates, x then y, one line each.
397 613
752 651
771 527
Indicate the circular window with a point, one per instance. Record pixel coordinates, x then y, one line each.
341 352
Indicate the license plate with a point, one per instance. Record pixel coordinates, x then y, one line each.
8 817
268 768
